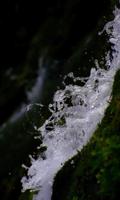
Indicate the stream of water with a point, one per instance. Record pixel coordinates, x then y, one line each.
75 113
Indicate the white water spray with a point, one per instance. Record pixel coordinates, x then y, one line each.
75 114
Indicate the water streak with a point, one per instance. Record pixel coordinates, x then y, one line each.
75 114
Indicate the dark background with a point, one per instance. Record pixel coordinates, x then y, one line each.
20 20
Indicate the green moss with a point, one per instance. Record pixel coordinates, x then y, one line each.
27 195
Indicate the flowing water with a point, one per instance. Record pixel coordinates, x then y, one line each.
75 113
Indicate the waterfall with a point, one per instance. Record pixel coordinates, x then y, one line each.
33 95
75 113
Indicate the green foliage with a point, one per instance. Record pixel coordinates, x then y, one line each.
27 195
75 198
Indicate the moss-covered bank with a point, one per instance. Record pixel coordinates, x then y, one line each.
95 173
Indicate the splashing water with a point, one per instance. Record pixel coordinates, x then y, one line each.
75 113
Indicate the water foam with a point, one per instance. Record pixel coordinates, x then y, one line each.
75 114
